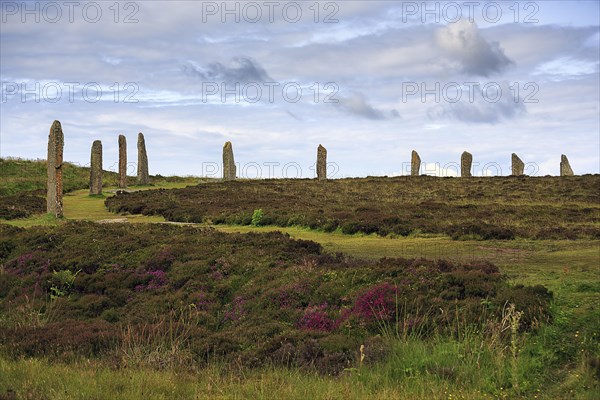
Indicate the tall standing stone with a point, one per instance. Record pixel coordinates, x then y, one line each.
565 167
122 161
229 169
96 168
54 198
415 164
518 166
466 161
321 163
143 177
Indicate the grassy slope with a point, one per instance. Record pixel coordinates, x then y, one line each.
26 175
570 268
488 208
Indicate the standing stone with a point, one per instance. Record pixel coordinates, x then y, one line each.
96 168
229 170
565 167
415 164
54 193
321 163
143 177
518 166
122 161
466 161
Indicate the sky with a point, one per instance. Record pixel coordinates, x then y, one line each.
369 80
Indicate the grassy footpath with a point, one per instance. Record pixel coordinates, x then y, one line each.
80 205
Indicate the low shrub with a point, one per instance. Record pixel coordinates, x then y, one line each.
476 209
256 297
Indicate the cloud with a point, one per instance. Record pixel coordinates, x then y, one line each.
370 51
357 104
488 106
463 42
240 70
565 68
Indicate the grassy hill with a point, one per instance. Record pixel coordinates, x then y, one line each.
475 208
20 175
162 311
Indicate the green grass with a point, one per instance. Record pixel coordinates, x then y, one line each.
43 380
439 369
20 175
531 262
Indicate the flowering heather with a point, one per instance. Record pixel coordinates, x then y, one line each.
345 314
291 296
316 320
237 310
28 262
162 261
216 274
158 280
202 302
284 299
379 303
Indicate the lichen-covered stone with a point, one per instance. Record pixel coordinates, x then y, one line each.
321 163
229 169
54 192
96 168
518 166
143 176
415 164
466 162
565 167
122 161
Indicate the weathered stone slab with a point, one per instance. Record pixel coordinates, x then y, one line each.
565 166
96 168
229 169
122 161
518 166
321 163
54 192
143 176
415 164
466 162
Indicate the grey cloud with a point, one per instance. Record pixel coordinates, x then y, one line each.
240 70
463 42
357 104
482 110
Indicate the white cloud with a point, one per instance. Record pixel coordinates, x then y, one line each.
462 42
565 68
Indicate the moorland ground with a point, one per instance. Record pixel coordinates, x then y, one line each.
376 288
